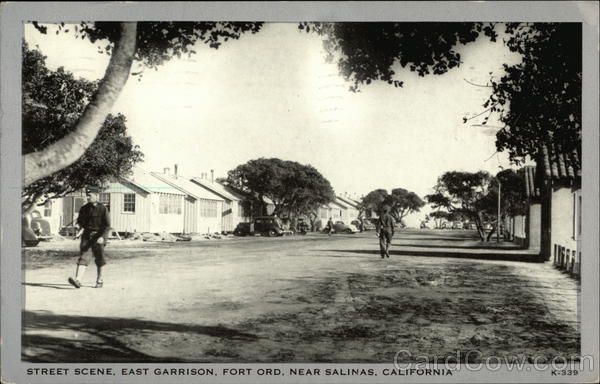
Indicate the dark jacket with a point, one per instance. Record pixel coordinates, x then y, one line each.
94 218
386 223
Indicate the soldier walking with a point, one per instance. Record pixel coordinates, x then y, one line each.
385 231
94 220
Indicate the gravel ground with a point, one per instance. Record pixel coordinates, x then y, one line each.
295 299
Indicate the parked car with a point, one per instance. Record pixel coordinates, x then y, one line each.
302 227
268 226
341 227
34 229
264 225
28 237
367 225
242 229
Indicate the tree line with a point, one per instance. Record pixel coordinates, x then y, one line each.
538 99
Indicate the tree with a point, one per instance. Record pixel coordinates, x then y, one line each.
401 202
465 193
148 43
538 100
513 198
367 52
374 200
294 188
405 203
52 102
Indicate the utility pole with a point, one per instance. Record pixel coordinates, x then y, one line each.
498 216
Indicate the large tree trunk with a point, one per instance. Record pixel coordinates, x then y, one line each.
479 225
71 147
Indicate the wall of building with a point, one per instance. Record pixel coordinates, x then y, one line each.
227 216
519 229
166 222
535 226
209 216
127 221
190 215
52 212
563 236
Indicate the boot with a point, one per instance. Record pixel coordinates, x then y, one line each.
76 282
99 280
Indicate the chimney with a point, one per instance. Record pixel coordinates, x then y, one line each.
166 170
212 175
175 170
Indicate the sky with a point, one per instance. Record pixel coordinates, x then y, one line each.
272 94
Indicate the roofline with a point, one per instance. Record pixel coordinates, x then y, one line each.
173 184
348 201
197 181
124 179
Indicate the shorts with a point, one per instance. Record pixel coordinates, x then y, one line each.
88 241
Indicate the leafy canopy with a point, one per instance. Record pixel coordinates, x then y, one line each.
294 188
538 100
158 42
401 202
52 104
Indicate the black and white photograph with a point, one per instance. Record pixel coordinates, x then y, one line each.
353 198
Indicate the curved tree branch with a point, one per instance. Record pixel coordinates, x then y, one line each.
71 147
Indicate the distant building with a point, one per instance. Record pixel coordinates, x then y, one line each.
525 230
202 208
232 211
350 209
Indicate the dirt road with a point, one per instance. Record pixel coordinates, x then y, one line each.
294 299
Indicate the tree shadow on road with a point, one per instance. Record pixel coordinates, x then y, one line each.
515 256
49 285
483 246
48 337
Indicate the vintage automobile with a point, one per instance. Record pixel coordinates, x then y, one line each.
341 227
366 225
242 229
268 226
34 229
263 225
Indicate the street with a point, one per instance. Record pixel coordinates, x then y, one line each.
308 298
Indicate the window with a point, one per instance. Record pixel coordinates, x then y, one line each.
48 208
104 198
169 204
323 213
208 208
129 202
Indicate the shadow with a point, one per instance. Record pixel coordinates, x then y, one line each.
99 339
484 247
514 256
46 285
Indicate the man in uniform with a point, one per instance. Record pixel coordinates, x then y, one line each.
385 231
94 220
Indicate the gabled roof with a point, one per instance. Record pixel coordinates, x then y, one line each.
235 192
147 182
349 202
559 164
242 195
215 188
187 187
